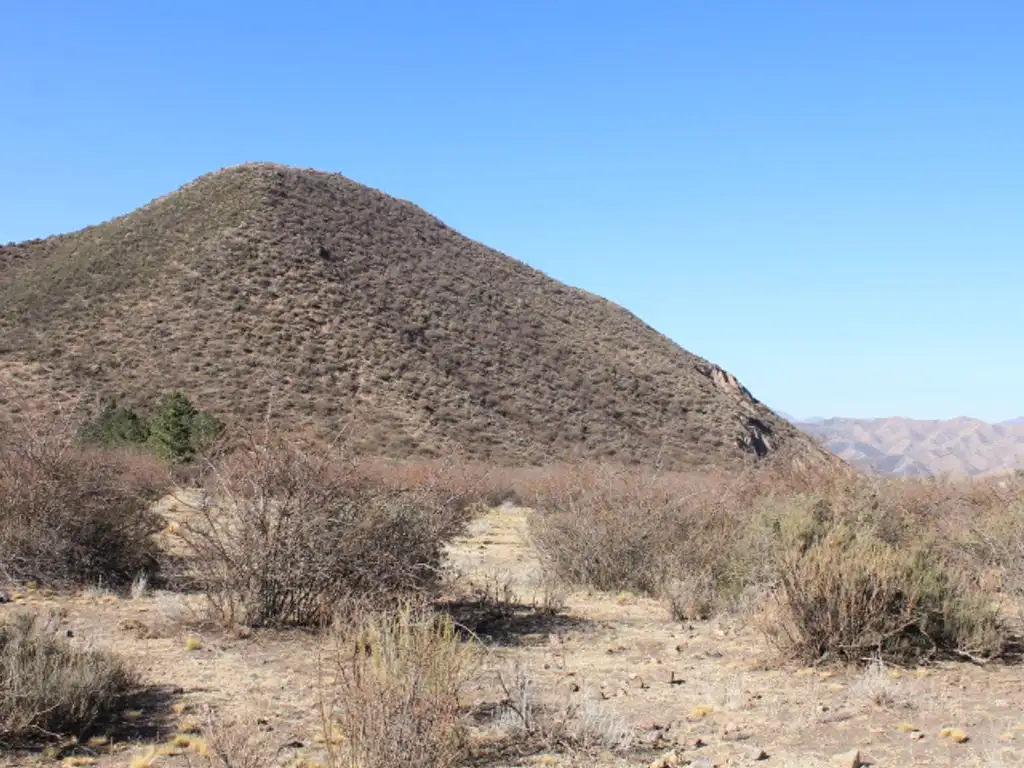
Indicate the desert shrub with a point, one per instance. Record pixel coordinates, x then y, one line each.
289 535
48 689
851 590
667 535
71 515
391 695
115 427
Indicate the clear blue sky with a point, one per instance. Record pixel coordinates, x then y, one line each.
825 198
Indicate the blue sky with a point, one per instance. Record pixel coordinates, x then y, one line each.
825 198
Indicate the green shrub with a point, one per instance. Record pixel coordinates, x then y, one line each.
846 592
115 427
50 690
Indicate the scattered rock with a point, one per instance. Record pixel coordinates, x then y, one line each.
849 759
4 597
757 754
668 760
956 735
916 735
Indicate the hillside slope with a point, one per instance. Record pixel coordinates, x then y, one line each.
338 308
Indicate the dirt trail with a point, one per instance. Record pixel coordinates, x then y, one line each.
709 690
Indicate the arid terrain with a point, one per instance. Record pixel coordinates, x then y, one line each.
294 475
636 684
334 308
916 448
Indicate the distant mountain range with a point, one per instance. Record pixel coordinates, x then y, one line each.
918 448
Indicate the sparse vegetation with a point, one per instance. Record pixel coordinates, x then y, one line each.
847 593
618 528
290 535
857 567
49 690
395 696
73 516
342 306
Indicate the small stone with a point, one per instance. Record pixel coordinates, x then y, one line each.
849 759
668 760
956 735
757 754
916 735
702 762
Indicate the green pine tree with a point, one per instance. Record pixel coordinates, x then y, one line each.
170 429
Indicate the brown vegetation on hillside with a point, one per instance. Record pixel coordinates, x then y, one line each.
339 308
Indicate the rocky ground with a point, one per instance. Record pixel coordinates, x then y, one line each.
633 687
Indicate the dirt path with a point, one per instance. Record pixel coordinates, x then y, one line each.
711 691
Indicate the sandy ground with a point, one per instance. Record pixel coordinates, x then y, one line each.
712 692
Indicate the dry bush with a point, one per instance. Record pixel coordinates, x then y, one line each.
71 515
390 692
854 585
48 689
670 535
288 536
577 724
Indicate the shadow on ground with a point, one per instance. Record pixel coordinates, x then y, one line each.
145 716
508 623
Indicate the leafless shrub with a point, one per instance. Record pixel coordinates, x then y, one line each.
71 515
238 742
288 535
634 529
50 690
526 722
393 695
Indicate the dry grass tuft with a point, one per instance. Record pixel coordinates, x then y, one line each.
49 690
393 696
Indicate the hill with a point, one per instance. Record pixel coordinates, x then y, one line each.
910 447
338 308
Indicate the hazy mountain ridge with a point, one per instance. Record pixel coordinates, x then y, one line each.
917 447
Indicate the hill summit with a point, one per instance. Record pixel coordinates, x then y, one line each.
336 308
